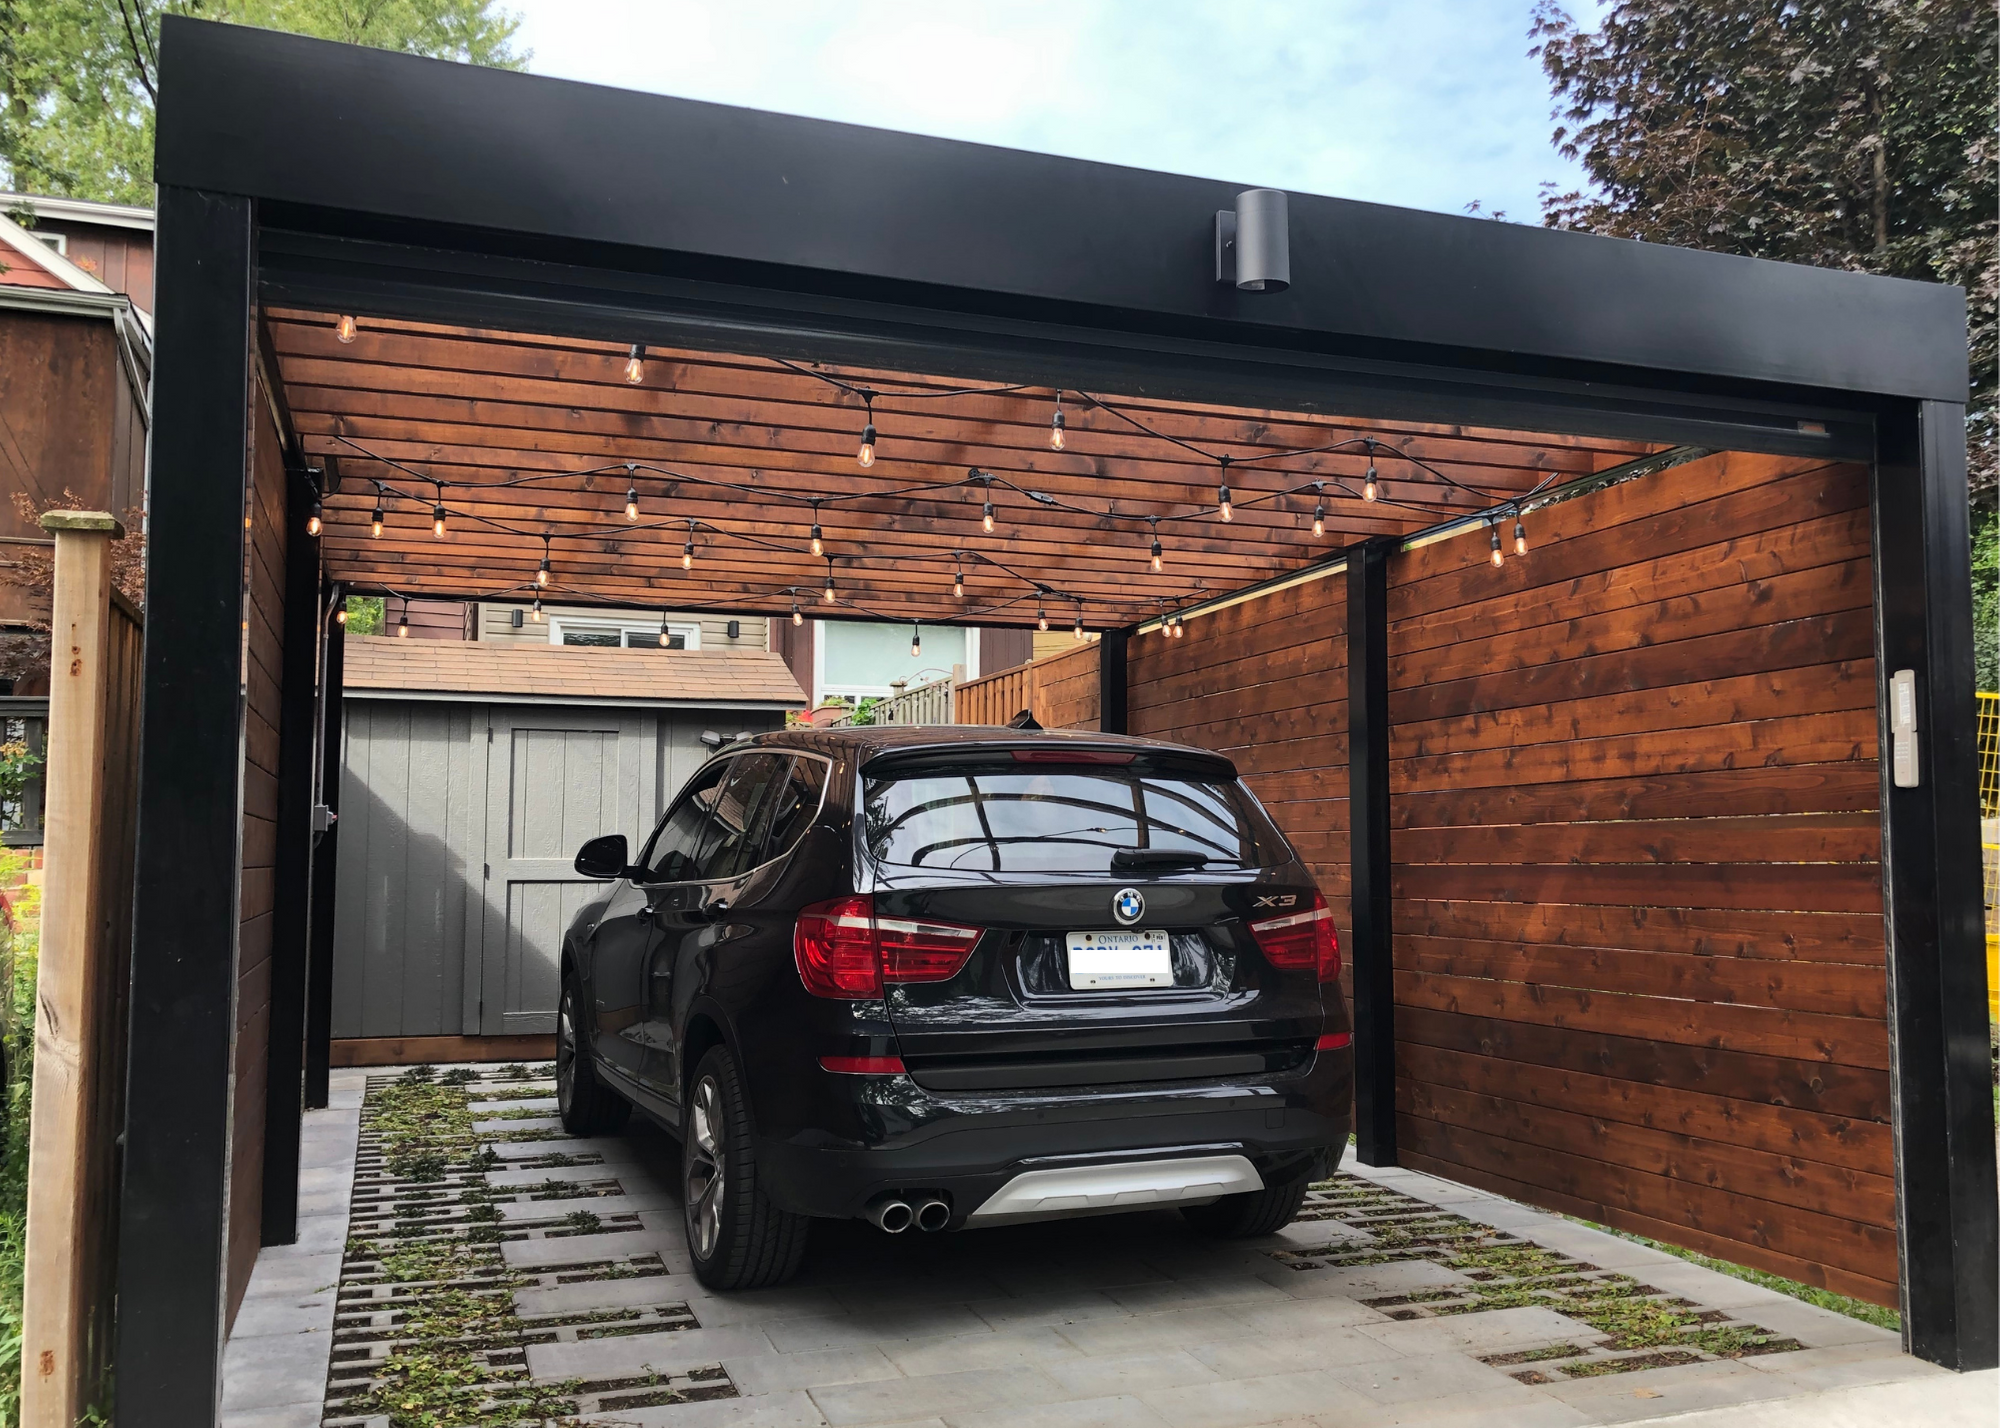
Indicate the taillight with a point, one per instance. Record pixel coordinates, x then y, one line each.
1301 940
844 950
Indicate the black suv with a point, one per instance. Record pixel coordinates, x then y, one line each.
948 977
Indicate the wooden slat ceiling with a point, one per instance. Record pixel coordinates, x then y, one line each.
530 436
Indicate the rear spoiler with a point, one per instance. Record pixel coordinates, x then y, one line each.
1045 754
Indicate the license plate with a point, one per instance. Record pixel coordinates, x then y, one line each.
1111 961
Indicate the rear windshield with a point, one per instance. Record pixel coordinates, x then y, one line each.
1004 818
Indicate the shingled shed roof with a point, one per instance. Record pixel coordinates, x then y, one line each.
443 669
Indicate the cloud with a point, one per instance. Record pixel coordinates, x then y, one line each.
1424 103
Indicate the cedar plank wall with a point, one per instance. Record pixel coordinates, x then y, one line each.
1264 682
263 647
1639 951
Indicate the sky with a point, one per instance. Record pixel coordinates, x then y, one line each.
1421 103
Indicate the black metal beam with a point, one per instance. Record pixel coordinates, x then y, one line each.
1112 716
325 863
292 873
1945 1206
1371 946
836 207
173 1238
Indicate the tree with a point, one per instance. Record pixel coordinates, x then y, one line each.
1852 134
78 78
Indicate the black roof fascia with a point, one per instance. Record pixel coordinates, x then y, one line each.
899 217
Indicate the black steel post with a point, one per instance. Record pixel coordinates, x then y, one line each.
173 1237
1945 1209
325 859
1111 682
1371 949
292 874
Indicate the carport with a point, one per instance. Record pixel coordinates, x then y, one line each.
1549 589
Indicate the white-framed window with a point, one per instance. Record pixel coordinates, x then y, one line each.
57 241
621 634
856 660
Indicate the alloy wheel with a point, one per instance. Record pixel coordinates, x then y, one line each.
704 1173
565 1054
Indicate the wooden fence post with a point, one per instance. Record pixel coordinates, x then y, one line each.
59 1316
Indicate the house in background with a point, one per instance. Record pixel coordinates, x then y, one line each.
853 660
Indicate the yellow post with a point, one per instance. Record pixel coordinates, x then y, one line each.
56 1313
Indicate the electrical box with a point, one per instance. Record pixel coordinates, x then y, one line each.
1903 728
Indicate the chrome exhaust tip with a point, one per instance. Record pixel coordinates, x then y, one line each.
933 1215
892 1216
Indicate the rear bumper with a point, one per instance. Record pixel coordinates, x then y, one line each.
966 1147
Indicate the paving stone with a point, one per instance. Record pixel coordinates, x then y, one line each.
516 1127
508 1179
1188 1294
295 1415
782 1410
1259 1356
765 1306
907 1290
779 1373
1154 1333
281 1273
580 1249
274 1370
1616 1398
934 1395
1364 1281
1246 1402
1514 1407
1496 1331
262 1314
990 1348
849 1331
628 1354
1814 1370
603 1206
1108 1376
608 1294
1432 1375
1815 1327
1293 1319
1116 1411
1947 1400
1059 1307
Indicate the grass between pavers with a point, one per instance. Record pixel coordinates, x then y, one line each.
1876 1314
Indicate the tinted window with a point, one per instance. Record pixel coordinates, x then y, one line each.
669 858
1055 820
795 806
738 814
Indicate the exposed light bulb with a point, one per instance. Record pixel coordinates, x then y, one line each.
344 329
375 521
1159 561
1319 519
916 643
1180 628
1370 488
1056 431
826 596
1520 538
631 503
1498 558
340 615
687 555
664 636
542 574
403 627
818 546
437 521
1041 619
535 613
797 618
635 364
986 518
958 584
1222 498
866 456
1079 625
313 522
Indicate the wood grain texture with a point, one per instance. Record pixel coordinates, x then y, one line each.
1639 949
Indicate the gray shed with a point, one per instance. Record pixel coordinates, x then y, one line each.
470 773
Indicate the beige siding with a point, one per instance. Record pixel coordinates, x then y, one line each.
496 622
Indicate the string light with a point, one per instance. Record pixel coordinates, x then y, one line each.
344 329
340 615
818 546
631 498
1159 562
958 582
375 521
437 521
797 618
1319 509
916 643
664 636
403 623
1520 536
1371 489
866 456
1180 630
1497 556
635 364
1056 424
535 613
1222 499
1041 615
986 518
827 596
1079 622
687 551
313 522
542 573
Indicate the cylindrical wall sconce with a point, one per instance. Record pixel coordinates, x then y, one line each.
1253 244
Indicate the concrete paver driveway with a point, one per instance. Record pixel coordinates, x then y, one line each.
1403 1299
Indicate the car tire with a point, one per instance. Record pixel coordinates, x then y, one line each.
587 1106
737 1238
1253 1213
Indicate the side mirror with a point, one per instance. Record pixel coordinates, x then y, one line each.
603 857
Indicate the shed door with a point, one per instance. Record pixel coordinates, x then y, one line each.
554 778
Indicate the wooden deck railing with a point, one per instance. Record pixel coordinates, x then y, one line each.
1060 691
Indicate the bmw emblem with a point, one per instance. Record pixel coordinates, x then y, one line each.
1128 907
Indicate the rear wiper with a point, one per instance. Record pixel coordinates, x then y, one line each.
1132 860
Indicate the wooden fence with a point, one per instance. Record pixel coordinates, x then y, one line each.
1060 691
81 989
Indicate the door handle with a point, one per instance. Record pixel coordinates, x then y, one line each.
717 910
